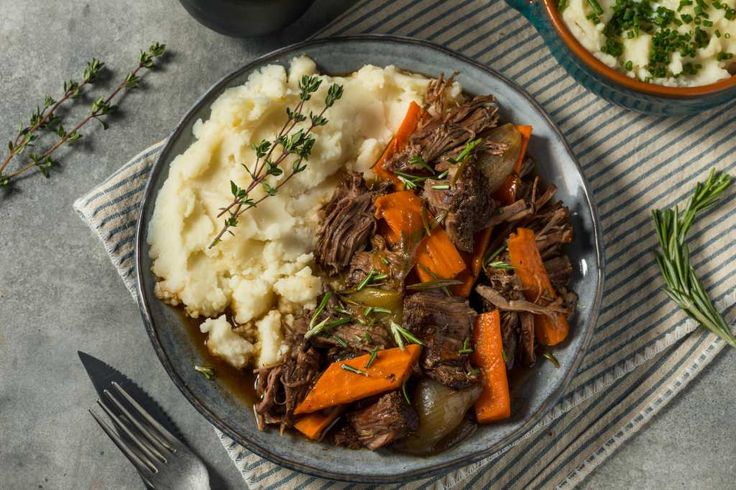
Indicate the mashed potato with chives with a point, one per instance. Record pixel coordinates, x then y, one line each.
684 43
264 274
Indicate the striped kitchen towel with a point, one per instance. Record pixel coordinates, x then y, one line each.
644 350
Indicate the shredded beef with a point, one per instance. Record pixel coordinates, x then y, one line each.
353 338
444 324
380 260
383 422
347 225
343 435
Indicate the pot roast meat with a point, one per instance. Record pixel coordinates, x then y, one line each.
559 270
347 225
284 386
526 337
343 435
394 264
510 336
443 323
354 338
468 203
388 419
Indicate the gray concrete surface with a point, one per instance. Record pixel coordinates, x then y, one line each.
60 294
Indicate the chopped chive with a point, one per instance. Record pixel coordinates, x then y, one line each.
596 7
629 65
353 370
562 5
372 359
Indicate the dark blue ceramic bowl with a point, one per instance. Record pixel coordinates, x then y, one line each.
611 84
533 394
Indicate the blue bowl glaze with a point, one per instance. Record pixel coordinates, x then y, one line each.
612 85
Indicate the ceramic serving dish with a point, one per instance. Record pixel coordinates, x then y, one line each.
532 395
611 84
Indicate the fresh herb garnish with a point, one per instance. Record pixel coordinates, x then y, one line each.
434 284
400 333
551 358
597 9
269 161
340 341
404 392
318 311
418 162
205 371
466 151
682 284
326 325
48 120
441 187
497 264
373 277
353 370
466 348
372 358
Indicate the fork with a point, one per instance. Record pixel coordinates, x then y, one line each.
162 460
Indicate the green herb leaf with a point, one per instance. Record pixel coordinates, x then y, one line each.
353 370
205 371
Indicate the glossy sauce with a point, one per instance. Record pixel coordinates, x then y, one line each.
238 382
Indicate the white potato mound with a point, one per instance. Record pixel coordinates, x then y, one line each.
266 268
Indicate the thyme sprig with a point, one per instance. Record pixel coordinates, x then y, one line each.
47 118
682 284
269 161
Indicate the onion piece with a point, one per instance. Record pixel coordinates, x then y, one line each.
441 410
497 167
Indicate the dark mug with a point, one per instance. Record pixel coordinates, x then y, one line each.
244 18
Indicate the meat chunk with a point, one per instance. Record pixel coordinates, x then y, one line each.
343 435
471 207
388 419
380 260
283 387
444 324
354 338
347 225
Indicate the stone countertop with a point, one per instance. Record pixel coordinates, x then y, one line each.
59 293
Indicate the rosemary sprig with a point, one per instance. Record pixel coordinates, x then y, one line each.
326 325
400 334
102 106
205 371
404 392
372 359
320 308
373 277
551 358
498 264
354 370
682 284
438 283
466 348
269 161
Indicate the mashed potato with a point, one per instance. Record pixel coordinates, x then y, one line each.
264 271
704 52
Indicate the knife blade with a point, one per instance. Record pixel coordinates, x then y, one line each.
102 376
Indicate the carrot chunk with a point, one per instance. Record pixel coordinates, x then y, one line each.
529 267
314 424
494 402
474 263
437 257
340 385
402 213
407 127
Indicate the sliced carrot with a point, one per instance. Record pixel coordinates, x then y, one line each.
314 424
506 194
529 267
437 257
407 127
339 386
494 402
474 263
402 213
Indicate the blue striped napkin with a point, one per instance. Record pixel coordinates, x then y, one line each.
644 351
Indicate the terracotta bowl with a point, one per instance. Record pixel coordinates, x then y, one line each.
614 85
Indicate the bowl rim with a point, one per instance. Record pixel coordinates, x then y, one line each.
265 452
620 78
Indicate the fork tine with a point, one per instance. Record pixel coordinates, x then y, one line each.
151 452
143 467
153 422
152 437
